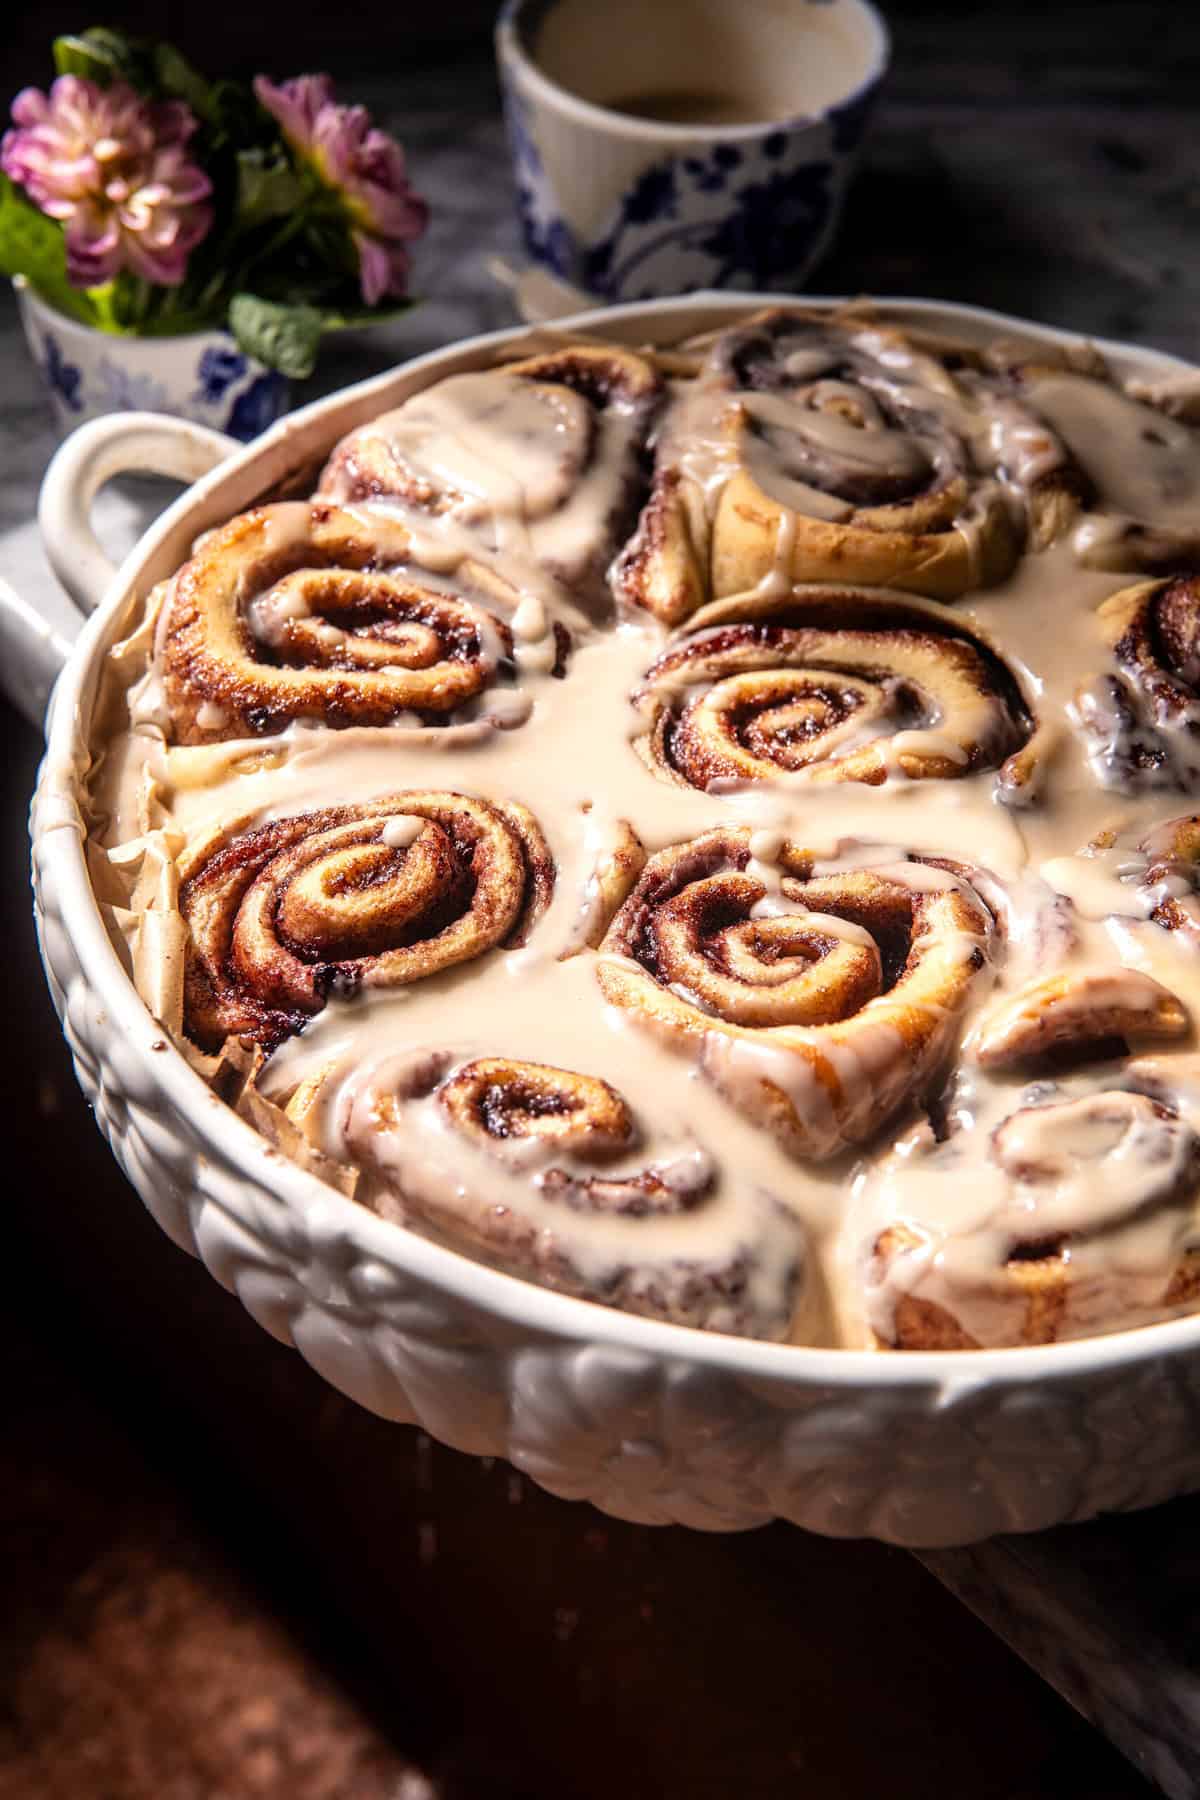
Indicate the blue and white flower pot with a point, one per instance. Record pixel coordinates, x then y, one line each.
201 376
631 208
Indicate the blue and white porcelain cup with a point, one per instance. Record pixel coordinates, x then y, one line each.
663 146
201 376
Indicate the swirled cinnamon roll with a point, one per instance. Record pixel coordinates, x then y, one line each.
796 922
1139 465
987 426
1082 1216
540 459
370 896
819 1004
543 1172
837 684
297 612
814 450
1141 724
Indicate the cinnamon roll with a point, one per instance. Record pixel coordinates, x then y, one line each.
282 915
540 459
818 451
819 1004
1138 462
1079 1013
837 684
1082 1217
298 612
1141 724
542 1171
808 894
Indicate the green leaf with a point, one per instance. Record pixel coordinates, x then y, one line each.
284 337
32 245
177 78
109 312
267 187
97 55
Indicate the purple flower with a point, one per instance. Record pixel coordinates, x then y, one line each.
113 168
363 166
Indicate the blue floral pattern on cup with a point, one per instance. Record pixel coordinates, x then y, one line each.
203 376
258 406
61 377
627 212
219 368
737 217
546 235
119 388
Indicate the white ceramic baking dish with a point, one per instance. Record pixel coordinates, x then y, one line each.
649 1421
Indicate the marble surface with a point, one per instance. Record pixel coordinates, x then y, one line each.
1027 179
1108 1613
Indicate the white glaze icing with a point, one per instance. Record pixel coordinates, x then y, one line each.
532 507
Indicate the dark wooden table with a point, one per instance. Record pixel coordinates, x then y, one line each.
219 1580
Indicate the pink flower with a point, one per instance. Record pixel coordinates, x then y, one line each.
114 169
363 165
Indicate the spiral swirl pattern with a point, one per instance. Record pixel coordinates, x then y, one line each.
297 612
965 411
542 456
538 1169
1082 1220
842 685
1141 724
375 895
498 1100
799 885
818 1009
828 453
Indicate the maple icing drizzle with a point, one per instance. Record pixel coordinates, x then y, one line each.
841 930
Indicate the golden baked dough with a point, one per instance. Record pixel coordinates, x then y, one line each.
845 684
376 895
819 453
532 1167
300 612
819 1019
1023 1277
701 832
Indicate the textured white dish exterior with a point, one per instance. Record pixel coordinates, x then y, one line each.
651 1422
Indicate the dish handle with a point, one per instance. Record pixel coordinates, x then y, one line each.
118 444
33 648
